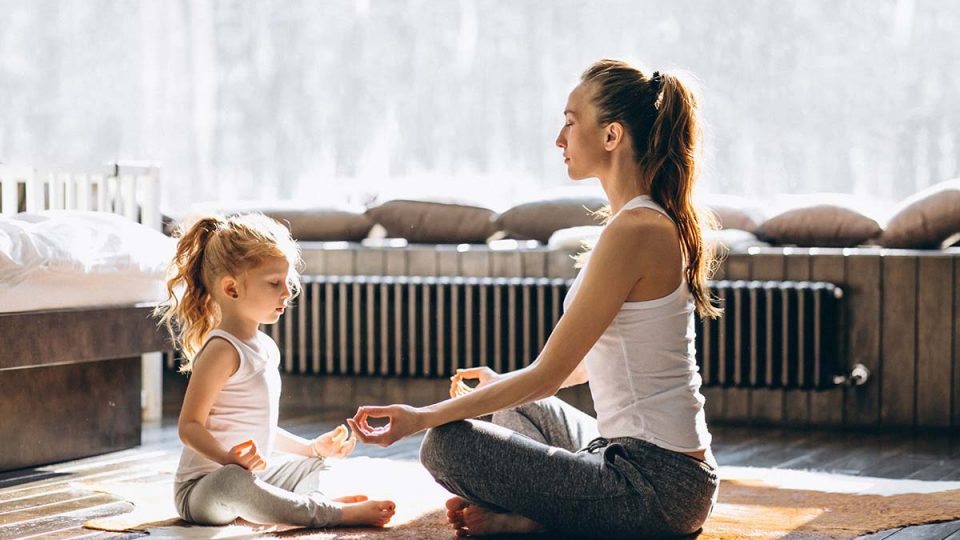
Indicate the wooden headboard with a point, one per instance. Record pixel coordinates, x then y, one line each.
130 189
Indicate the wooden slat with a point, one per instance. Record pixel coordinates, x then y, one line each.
736 401
369 262
534 263
826 406
475 262
956 343
54 413
796 403
766 404
420 261
55 518
85 335
506 264
934 341
339 261
560 264
864 321
898 360
448 261
313 256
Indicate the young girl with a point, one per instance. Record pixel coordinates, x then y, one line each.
228 277
643 468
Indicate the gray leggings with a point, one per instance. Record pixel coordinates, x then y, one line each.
287 493
538 461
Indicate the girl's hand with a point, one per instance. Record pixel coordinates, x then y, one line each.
483 374
335 443
247 456
403 420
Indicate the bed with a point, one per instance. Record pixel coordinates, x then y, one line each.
81 260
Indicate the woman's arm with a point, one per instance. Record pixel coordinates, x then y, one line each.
577 376
288 443
212 367
612 273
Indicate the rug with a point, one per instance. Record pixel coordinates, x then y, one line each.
754 504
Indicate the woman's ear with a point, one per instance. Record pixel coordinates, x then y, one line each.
613 135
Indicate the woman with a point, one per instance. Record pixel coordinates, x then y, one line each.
627 329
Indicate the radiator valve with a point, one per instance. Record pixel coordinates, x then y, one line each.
857 377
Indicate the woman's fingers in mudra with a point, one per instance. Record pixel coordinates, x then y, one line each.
369 434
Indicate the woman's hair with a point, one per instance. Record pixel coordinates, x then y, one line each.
660 112
211 248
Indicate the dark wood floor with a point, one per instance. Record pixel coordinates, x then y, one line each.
42 503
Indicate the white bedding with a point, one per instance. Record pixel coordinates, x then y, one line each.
67 259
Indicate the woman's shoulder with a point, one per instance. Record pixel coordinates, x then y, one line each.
639 227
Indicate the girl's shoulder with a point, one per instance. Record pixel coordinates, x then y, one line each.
218 354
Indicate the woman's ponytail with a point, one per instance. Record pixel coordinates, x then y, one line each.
661 114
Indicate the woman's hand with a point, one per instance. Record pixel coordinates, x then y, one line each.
482 374
247 456
403 420
335 443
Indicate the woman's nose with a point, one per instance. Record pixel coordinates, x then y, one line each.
561 141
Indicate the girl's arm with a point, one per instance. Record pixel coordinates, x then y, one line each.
615 267
334 443
288 443
212 367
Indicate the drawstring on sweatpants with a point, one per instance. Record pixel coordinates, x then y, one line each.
595 445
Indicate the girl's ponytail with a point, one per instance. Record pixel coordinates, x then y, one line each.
190 312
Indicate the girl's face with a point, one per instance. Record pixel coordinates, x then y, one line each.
582 138
265 291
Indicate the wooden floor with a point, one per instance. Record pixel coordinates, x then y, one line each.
43 503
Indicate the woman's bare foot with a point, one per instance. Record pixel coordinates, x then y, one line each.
356 510
471 520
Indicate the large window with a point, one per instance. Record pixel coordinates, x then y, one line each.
325 101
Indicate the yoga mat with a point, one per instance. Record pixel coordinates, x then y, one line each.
754 503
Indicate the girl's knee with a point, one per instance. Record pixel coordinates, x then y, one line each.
232 477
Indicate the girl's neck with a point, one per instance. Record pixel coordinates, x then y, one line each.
244 330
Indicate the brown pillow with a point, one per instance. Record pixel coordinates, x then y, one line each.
928 219
729 217
540 219
323 224
822 225
431 222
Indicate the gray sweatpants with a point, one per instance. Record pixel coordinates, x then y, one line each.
288 493
545 461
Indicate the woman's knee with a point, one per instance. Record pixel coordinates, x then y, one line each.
442 446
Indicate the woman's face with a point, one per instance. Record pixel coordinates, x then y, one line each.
581 137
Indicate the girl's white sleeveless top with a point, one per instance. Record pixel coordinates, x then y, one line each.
246 408
644 378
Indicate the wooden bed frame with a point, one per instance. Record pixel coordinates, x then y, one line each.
73 382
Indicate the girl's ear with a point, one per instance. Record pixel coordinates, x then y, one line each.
613 135
230 287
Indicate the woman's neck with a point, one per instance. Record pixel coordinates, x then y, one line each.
621 182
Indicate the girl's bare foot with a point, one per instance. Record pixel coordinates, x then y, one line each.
472 520
358 511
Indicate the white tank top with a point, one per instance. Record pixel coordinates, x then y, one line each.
644 378
246 408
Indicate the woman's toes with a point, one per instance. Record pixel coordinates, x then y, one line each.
457 503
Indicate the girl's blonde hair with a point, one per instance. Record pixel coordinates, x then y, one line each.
211 248
661 113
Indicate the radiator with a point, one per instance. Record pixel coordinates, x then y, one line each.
779 334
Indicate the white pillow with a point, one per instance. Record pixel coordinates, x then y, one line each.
79 242
575 238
